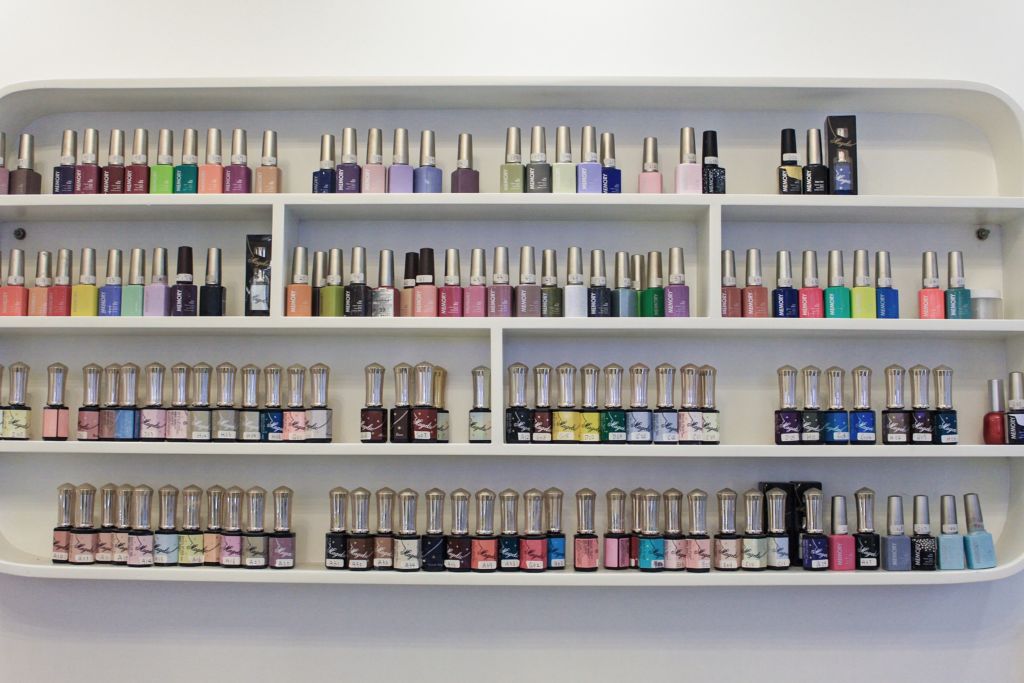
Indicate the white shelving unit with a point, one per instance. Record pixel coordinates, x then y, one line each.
928 196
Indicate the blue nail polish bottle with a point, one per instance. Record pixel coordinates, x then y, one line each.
895 546
624 303
862 417
110 292
272 416
652 553
588 171
951 543
325 178
556 550
126 417
813 542
611 177
427 178
837 420
944 422
978 546
887 299
785 298
958 297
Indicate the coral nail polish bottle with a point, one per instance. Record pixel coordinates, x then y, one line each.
136 174
732 297
424 304
400 173
698 543
64 173
349 175
375 176
650 181
1015 412
132 293
623 299
837 420
811 298
412 266
384 297
56 414
24 179
87 172
563 171
867 548
813 542
58 296
688 172
978 546
533 544
815 174
428 177
677 293
110 292
951 543
994 422
958 297
113 173
161 176
784 298
755 295
449 295
238 175
475 295
538 171
512 172
299 294
39 295
611 177
754 552
863 297
588 171
484 544
325 178
862 417
887 298
211 174
465 178
924 548
268 175
930 302
186 174
789 173
778 532
841 551
599 296
837 295
812 418
787 417
712 174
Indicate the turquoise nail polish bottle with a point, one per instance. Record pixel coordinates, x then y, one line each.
951 543
958 297
837 294
978 546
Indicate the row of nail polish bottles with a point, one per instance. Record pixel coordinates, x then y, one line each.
810 179
1004 423
419 414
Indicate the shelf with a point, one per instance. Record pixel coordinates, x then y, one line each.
885 209
135 207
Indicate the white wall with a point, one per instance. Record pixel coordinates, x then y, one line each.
98 631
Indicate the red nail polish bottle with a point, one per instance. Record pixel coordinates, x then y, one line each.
994 422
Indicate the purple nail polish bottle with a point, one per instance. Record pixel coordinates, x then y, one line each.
238 175
428 177
464 178
400 172
499 294
677 294
156 297
64 174
349 173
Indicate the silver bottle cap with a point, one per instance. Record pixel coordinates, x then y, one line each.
566 385
586 502
428 155
26 151
68 148
527 266
115 150
622 270
154 384
500 274
128 385
836 277
256 501
338 500
787 387
108 505
673 502
300 266
360 522
407 502
598 275
62 274
929 270
464 158
509 501
142 501
549 268
460 512
775 499
213 266
538 145
250 386
452 268
328 151
440 386
665 383
753 506
638 374
190 147
835 377
424 373
972 513
239 147
563 145
727 511
319 379
481 378
233 498
111 373
159 274
533 512
955 268
269 153
840 525
813 501
513 145
591 377
783 269
651 523
56 383
922 515
813 147
296 386
861 268
403 382
811 377
894 386
272 386
996 395
706 376
613 386
810 269
385 510
943 387
697 501
616 501
349 146
608 150
485 512
728 268
1016 401
650 162
435 511
655 276
400 147
357 274
213 146
636 500
201 373
140 147
374 373
919 397
865 498
168 507
123 520
553 510
191 505
861 376
638 272
541 385
894 509
114 267
319 268
226 385
947 515
215 508
136 267
165 147
90 146
180 374
687 146
883 269
385 268
86 497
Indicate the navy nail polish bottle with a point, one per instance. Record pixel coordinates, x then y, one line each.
785 298
924 548
944 425
813 542
887 298
787 417
271 415
599 297
508 541
611 177
921 426
837 420
336 539
458 546
812 419
432 546
896 546
862 417
866 540
325 178
64 174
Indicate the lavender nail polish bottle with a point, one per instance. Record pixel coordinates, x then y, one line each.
400 174
428 178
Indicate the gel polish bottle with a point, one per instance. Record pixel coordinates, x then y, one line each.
272 417
710 434
161 175
136 174
922 418
862 417
518 418
787 417
675 539
268 175
177 413
325 178
815 174
112 177
778 533
299 294
837 420
563 171
599 296
400 173
590 414
282 539
432 551
785 301
427 178
373 417
464 178
812 419
186 174
14 295
200 415
556 538
375 177
508 541
565 419
958 297
636 497
484 544
213 296
449 296
613 417
811 298
789 173
406 541
624 304
120 537
650 177
183 292
424 412
924 548
588 172
238 175
813 542
474 297
1015 410
166 542
978 546
190 540
153 415
110 292
24 179
863 297
698 543
64 173
887 298
512 172
542 417
866 540
896 420
951 543
249 413
108 411
528 291
755 294
349 174
384 297
480 413
841 180
331 301
616 540
652 299
360 544
638 276
444 424
727 541
294 416
611 177
651 542
358 296
712 174
105 535
665 417
58 296
691 415
754 556
688 172
140 538
87 172
995 422
254 538
552 304
638 417
585 545
576 294
336 540
231 533
944 423
732 297
533 544
133 293
841 552
224 421
499 294
383 540
538 171
677 293
17 414
56 415
837 295
930 298
211 174
126 427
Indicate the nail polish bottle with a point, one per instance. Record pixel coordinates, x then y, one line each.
785 300
186 174
552 304
133 293
136 174
836 420
17 415
480 413
533 544
373 417
590 414
336 540
787 417
866 540
789 173
299 294
249 413
400 422
375 177
732 297
432 544
190 540
325 179
576 297
268 175
675 539
944 422
528 291
294 416
87 172
213 296
863 297
231 533
996 420
665 417
424 412
688 172
652 543
358 296
778 533
511 172
811 298
611 177
444 424
224 421
709 428
449 296
14 294
209 540
108 411
541 417
177 413
586 548
598 303
116 539
383 540
61 552
896 420
616 540
238 175
553 523
5 175
958 297
427 178
318 281
636 498
837 295
464 178
83 538
108 514
508 541
813 542
359 543
728 545
930 297
110 292
113 173
922 426
153 415
475 295
624 303
184 293
331 299
458 545
841 553
638 278
815 174
1015 410
978 546
161 175
565 420
951 543
211 174
638 417
200 415
55 414
406 540
499 294
484 544
650 181
563 171
24 179
400 173
841 179
887 298
64 173
140 537
538 171
755 543
588 171
677 293
924 548
412 265
652 300
58 296
126 426
862 417
39 295
712 174
254 538
349 175
383 297
166 543
698 543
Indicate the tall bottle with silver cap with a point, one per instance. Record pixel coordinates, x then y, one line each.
14 296
65 521
110 291
887 297
841 552
862 417
211 173
272 416
978 545
836 420
294 417
268 174
538 170
299 293
785 299
325 177
565 419
951 543
815 173
651 543
484 544
432 544
254 538
383 297
624 302
590 414
166 543
811 298
698 543
710 432
553 498
675 539
439 395
237 174
500 294
358 296
136 172
665 417
896 419
186 174
518 417
64 172
636 505
152 414
508 541
787 417
588 171
449 295
249 413
281 541
400 173
586 548
563 171
1015 409
650 181
465 178
728 545
458 546
754 294
528 291
542 417
140 537
996 420
575 291
213 295
24 179
837 294
84 536
177 412
161 176
109 406
215 511
349 174
944 422
778 529
754 551
863 297
190 539
613 417
319 417
119 538
921 415
480 413
200 414
359 550
225 417
511 173
712 172
638 416
87 172
958 296
156 296
611 177
406 539
112 179
133 290
552 303
867 542
184 293
688 171
475 295
616 540
813 542
400 420
126 427
930 301
732 296
427 177
105 535
373 416
789 173
690 422
58 296
336 540
424 412
598 294
55 413
652 297
924 548
326 287
231 532
677 293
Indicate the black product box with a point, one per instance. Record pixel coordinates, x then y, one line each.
257 275
842 153
795 513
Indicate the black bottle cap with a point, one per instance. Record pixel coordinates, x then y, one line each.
710 144
788 141
426 265
185 261
412 264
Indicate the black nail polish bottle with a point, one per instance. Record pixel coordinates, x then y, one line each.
727 541
212 295
271 416
480 413
336 540
317 282
225 418
789 172
866 541
383 540
359 550
924 548
458 544
200 415
599 296
508 541
318 416
636 500
254 539
921 425
812 421
358 295
675 539
400 422
815 175
432 544
787 417
183 291
484 544
895 418
281 553
944 425
713 174
538 171
778 531
541 418
373 417
406 540
249 413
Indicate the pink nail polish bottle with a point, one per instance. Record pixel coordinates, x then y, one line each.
375 176
449 296
650 178
424 296
499 294
688 172
811 298
841 554
475 296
